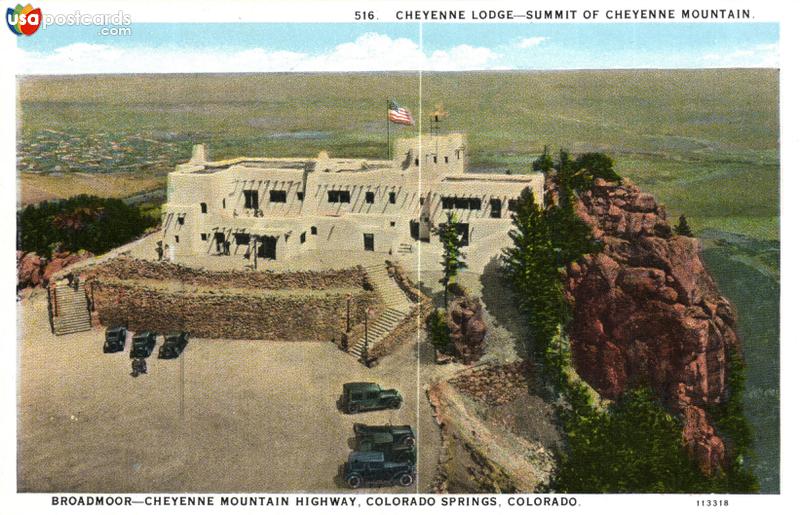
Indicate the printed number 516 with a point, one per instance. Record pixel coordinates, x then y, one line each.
365 15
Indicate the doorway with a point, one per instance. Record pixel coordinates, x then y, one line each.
267 247
219 240
369 242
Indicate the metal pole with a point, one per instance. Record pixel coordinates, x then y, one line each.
365 350
347 330
182 388
388 148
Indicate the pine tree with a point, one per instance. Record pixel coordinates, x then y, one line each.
531 265
452 257
683 228
544 163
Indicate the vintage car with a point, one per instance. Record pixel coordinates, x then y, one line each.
401 435
143 344
173 345
392 451
368 396
115 339
365 468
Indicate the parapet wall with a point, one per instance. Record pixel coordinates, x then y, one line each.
129 269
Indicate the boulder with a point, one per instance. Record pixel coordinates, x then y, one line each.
467 329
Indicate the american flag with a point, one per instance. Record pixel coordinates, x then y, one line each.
399 114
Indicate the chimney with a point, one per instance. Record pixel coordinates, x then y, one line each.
198 154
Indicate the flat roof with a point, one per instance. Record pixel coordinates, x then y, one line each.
485 177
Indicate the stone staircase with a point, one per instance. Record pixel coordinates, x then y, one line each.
70 310
397 308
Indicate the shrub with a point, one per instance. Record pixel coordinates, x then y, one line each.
83 222
438 331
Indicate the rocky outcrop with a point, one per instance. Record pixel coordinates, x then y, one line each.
34 270
647 312
29 270
467 329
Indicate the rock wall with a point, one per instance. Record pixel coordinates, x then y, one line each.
127 268
646 311
260 316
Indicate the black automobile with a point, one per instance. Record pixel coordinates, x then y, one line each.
115 339
364 468
173 345
368 396
384 443
143 344
402 435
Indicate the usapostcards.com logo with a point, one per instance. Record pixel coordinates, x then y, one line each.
24 20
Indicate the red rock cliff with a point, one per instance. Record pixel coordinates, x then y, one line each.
647 311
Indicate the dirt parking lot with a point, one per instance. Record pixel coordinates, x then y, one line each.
258 416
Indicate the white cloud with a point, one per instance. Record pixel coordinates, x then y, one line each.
759 56
531 42
369 52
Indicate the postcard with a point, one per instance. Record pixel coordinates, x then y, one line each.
334 256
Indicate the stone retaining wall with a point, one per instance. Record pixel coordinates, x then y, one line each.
127 268
257 316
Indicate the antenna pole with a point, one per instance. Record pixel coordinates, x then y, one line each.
388 146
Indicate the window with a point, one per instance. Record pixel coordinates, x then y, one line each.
416 162
301 195
463 233
458 154
277 196
392 197
496 207
342 196
512 204
223 203
313 230
472 203
204 236
422 201
369 197
369 242
435 159
250 199
446 159
391 224
177 239
203 207
242 238
302 238
181 219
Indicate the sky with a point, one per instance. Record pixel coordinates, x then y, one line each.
308 47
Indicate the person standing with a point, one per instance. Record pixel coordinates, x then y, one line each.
138 366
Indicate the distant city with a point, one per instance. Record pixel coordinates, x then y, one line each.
54 152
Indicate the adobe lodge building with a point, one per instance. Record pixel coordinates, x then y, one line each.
278 208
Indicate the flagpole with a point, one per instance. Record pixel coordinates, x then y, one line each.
386 114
